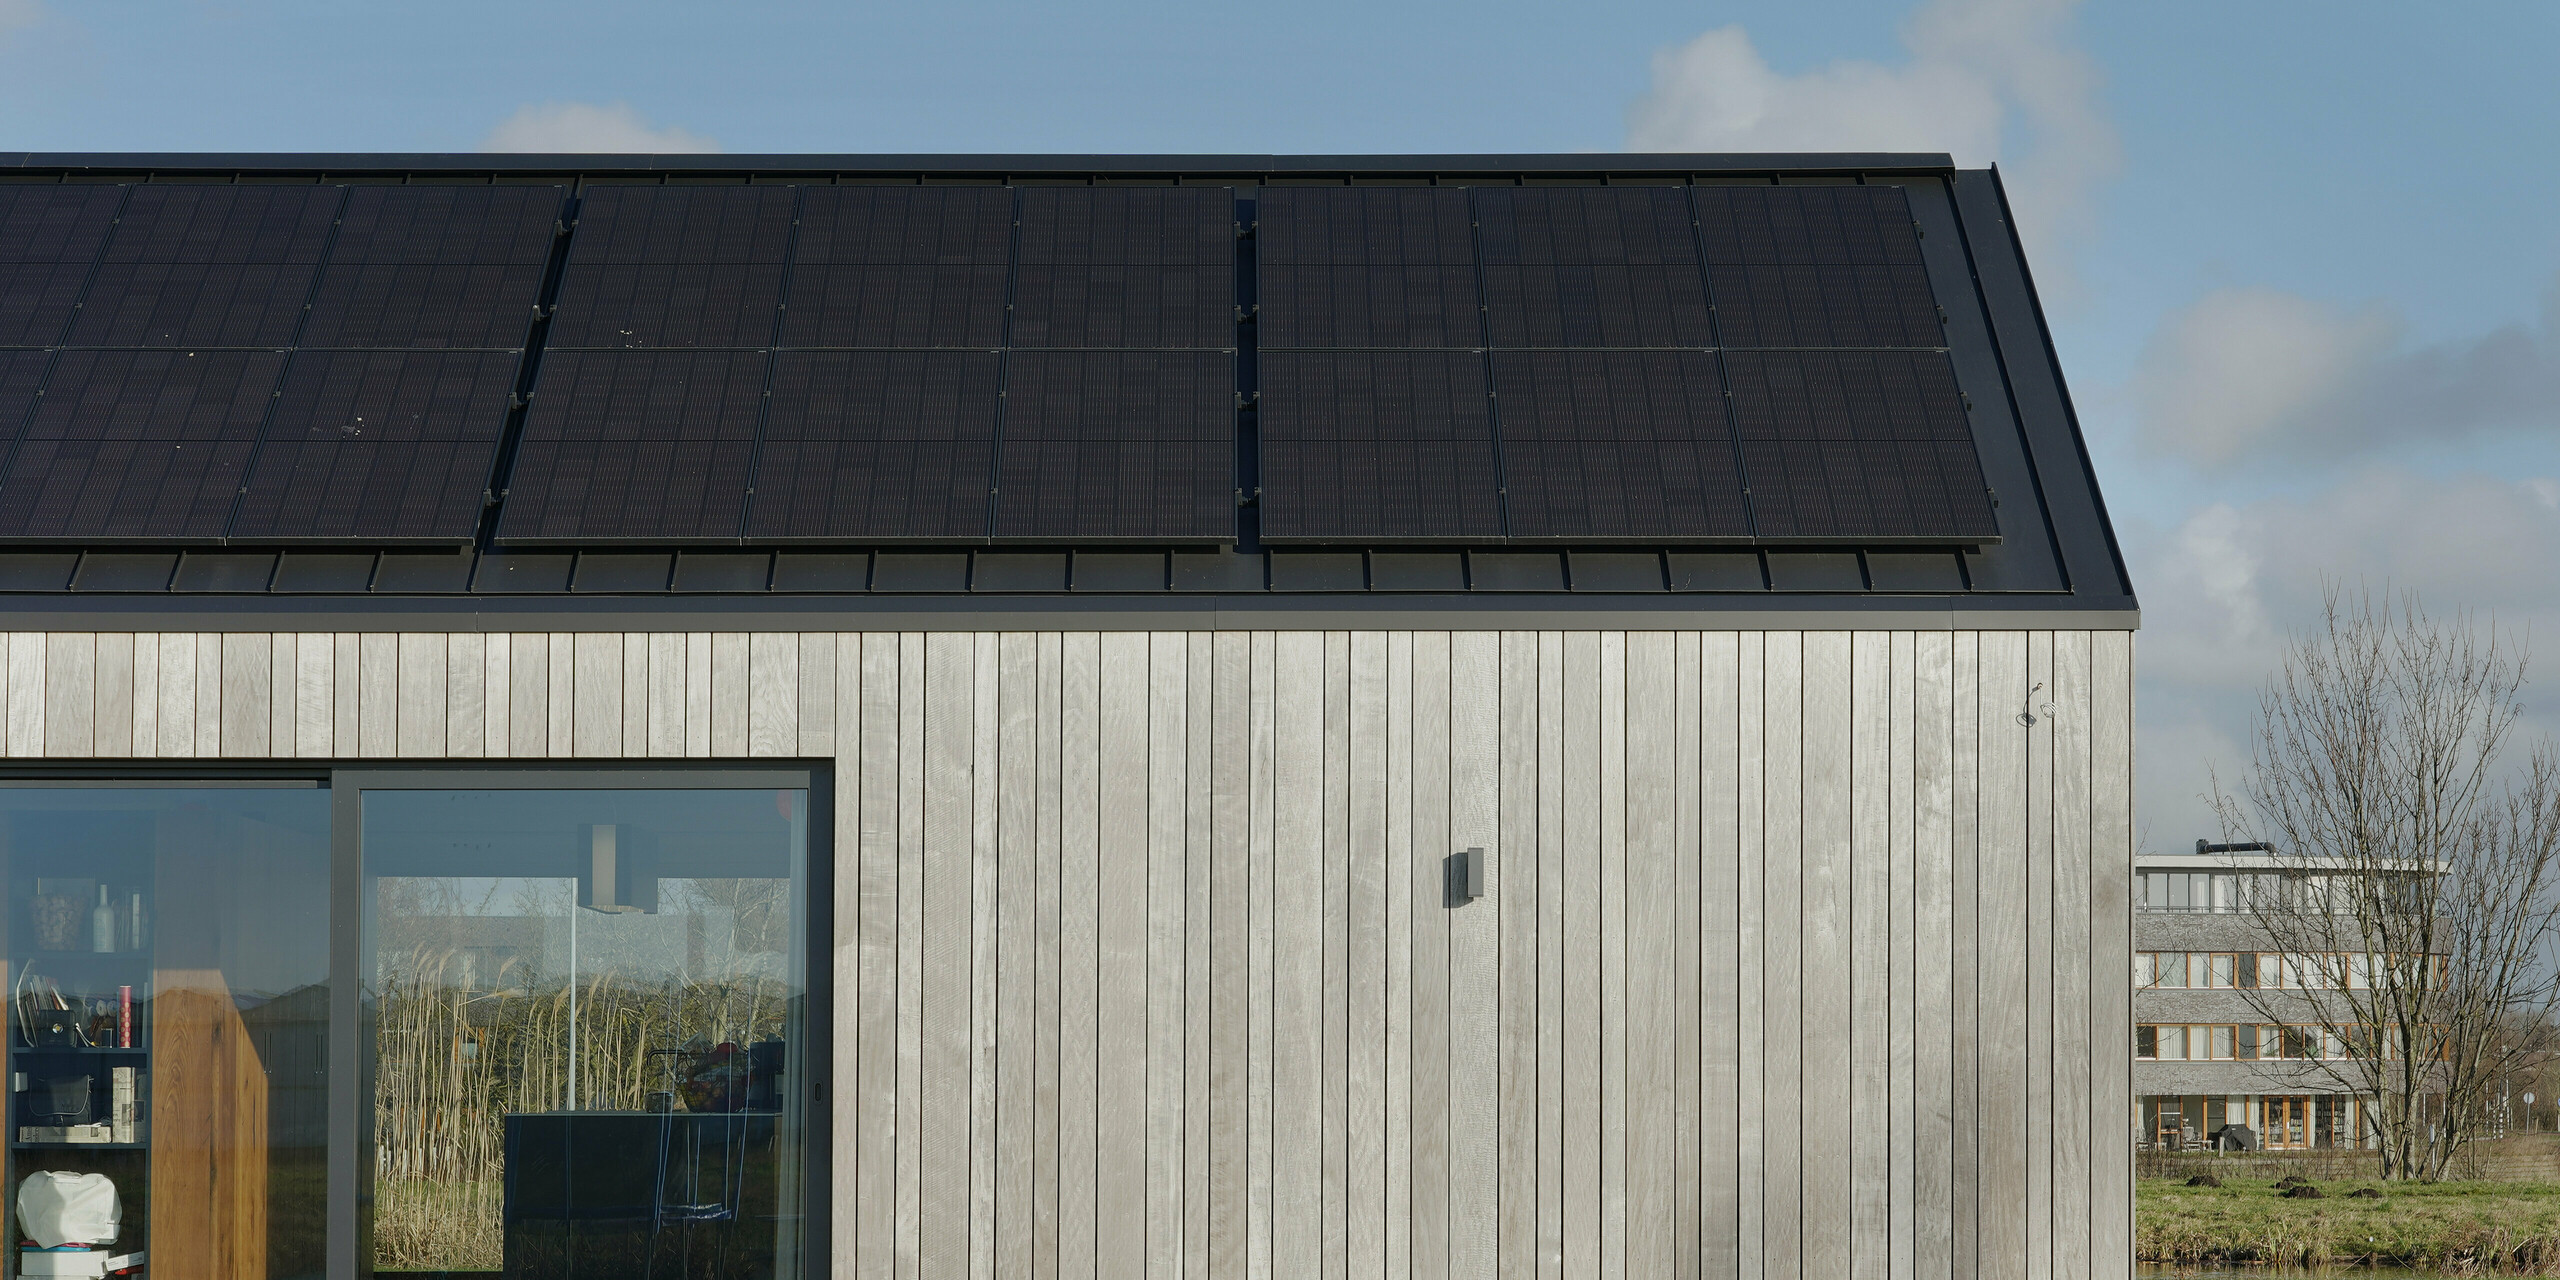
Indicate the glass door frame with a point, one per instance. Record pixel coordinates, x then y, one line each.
350 1099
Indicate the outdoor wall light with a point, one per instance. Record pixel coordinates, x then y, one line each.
1466 876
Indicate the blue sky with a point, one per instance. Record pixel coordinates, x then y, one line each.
2303 261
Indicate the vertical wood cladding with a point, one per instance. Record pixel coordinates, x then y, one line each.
1801 953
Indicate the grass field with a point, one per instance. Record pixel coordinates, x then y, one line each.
2460 1228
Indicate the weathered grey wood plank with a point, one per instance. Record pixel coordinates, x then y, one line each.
1199 700
1585 729
1900 1034
1047 809
1335 826
637 683
465 692
1163 708
818 694
497 695
1017 707
1966 795
1613 953
2110 951
844 950
873 1096
2040 1065
1651 889
418 694
146 693
346 698
914 833
2073 1064
561 686
1399 958
697 694
1365 942
773 694
1933 1013
528 695
1688 1052
985 743
177 654
1120 1024
1719 954
667 693
1872 893
247 668
378 694
2001 927
208 688
315 683
1298 944
1551 955
280 695
25 693
1261 982
1785 1160
1751 944
1229 929
1516 844
70 693
730 693
114 705
1475 954
1431 972
595 726
1825 984
944 943
1079 987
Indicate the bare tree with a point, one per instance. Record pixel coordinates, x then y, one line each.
2417 894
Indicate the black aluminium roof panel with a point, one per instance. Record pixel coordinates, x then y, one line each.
1125 267
1617 445
1387 446
1366 267
435 267
137 445
380 446
877 445
1102 446
651 446
49 240
1590 267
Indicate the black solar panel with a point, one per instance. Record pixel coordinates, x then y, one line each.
877 445
656 267
137 444
220 266
1590 267
379 445
49 238
1857 444
900 267
1129 267
1377 446
1601 445
435 267
1117 445
651 446
1366 267
1817 267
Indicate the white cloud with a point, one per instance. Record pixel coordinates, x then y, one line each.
2224 588
573 128
1984 80
2249 372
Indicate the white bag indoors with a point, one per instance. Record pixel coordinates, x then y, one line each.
57 1209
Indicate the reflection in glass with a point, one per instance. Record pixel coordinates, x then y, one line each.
586 1011
167 963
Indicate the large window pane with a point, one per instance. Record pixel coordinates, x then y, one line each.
168 964
587 1031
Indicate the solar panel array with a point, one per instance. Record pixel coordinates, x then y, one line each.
886 364
872 364
1597 364
275 363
